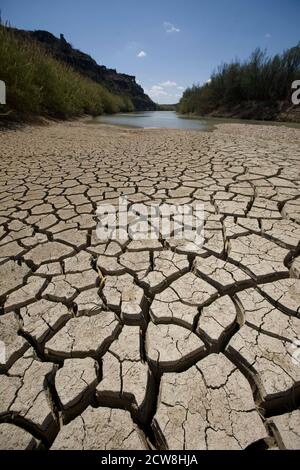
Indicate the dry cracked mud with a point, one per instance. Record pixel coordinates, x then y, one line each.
144 344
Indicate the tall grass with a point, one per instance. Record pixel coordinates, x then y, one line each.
37 84
263 80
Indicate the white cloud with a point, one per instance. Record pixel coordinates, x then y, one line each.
141 54
156 91
170 28
208 81
167 91
268 35
168 84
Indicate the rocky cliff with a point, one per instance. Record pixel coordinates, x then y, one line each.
118 83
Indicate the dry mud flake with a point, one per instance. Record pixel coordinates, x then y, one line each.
285 294
12 276
166 266
209 406
143 245
172 312
263 316
172 347
78 263
292 210
14 438
285 231
136 263
50 269
24 394
51 251
241 227
26 294
76 238
109 265
258 257
75 382
64 288
12 249
223 275
123 384
15 345
124 375
269 362
217 320
214 242
42 319
84 336
233 208
186 247
264 208
122 294
295 268
189 289
88 303
100 429
286 429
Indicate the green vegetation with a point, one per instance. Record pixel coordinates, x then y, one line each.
166 107
37 84
259 88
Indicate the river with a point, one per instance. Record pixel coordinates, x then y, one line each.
154 119
171 120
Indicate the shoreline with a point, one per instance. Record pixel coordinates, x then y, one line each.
237 120
212 122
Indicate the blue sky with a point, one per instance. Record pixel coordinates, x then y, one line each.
167 44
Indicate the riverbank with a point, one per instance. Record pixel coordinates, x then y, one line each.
254 111
261 87
105 344
173 120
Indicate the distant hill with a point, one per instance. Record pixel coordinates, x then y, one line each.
117 83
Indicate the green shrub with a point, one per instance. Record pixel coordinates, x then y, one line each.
37 84
260 79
